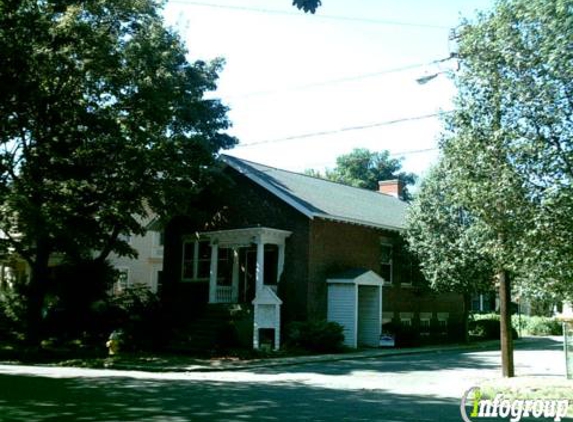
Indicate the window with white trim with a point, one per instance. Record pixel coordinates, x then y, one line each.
443 321
386 266
196 260
406 319
122 280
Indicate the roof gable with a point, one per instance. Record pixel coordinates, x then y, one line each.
319 198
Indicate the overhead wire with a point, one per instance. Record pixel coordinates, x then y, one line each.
314 16
339 80
341 130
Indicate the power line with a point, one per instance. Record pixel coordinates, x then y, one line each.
341 130
315 16
339 80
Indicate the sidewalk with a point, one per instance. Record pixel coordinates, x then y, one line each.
204 365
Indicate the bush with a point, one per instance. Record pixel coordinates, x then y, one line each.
537 325
136 311
486 327
12 313
316 336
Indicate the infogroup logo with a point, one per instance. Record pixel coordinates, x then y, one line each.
515 409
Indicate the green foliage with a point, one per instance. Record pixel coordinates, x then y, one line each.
506 165
316 335
446 238
12 313
537 325
307 5
102 119
508 143
487 325
363 168
137 313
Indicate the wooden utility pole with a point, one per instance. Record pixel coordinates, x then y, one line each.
505 324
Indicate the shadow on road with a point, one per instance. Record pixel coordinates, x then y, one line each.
28 398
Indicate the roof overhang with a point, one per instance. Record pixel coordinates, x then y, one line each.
298 206
367 278
246 236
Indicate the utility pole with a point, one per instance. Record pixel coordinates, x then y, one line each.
506 335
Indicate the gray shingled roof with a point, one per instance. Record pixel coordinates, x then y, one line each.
318 198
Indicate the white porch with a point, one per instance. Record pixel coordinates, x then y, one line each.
220 290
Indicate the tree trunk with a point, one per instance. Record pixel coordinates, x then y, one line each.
505 324
36 294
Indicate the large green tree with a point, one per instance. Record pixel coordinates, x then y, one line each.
102 119
447 240
363 168
507 146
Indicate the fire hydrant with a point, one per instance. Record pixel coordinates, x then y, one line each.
114 342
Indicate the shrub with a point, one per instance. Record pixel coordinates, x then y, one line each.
317 336
136 311
537 325
486 327
12 313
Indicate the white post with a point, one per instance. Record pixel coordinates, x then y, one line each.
256 329
281 262
235 280
260 276
213 273
481 302
277 327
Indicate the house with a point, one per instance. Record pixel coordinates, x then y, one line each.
314 249
147 268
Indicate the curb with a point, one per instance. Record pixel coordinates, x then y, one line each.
269 363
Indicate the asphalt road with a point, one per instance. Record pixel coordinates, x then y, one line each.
424 387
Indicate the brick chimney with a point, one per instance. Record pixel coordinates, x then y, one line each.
391 187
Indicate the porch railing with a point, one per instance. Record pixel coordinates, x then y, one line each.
224 294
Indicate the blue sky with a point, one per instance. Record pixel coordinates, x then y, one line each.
289 74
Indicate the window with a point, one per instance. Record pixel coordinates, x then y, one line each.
196 260
406 319
158 281
125 237
158 239
157 247
122 280
386 262
443 321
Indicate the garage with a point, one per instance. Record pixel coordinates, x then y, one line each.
355 302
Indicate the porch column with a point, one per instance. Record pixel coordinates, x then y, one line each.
260 276
235 279
213 273
281 261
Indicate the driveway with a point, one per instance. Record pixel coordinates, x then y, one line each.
424 387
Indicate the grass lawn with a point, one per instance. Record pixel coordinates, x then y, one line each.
530 388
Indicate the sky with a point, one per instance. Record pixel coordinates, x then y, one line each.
328 82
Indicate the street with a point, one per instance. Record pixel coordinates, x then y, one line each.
422 387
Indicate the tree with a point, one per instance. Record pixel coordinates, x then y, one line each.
447 240
102 119
508 146
307 5
363 168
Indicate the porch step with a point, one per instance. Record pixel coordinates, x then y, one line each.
215 329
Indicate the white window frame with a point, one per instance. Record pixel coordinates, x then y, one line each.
443 322
390 262
118 285
157 245
406 319
195 260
